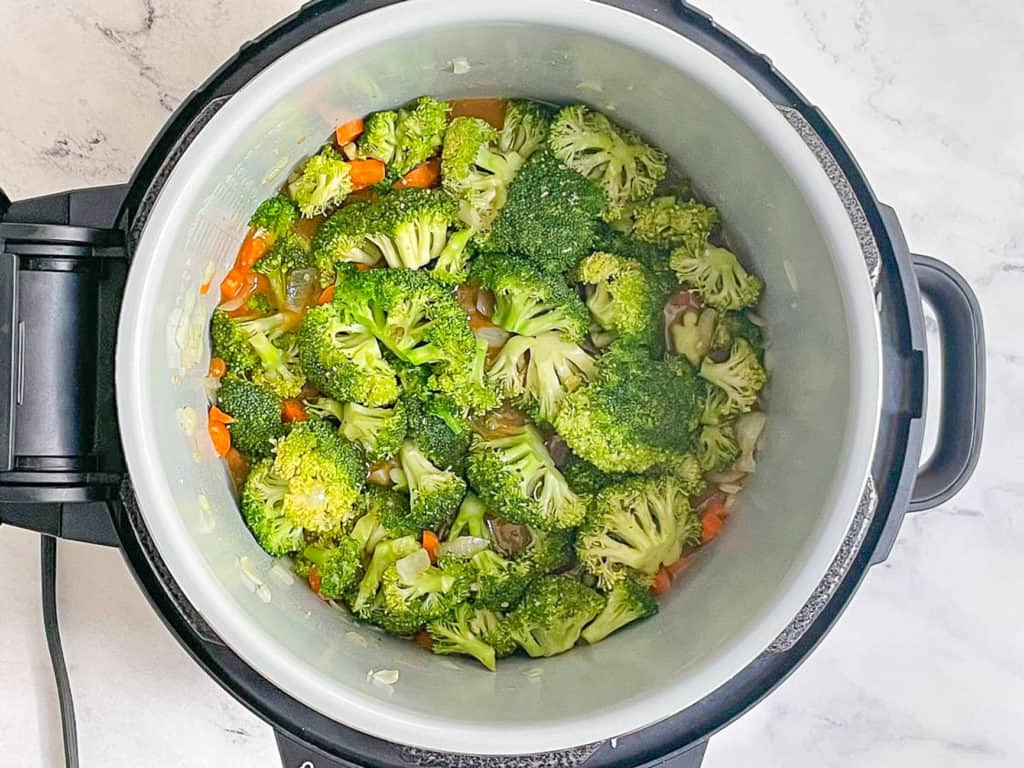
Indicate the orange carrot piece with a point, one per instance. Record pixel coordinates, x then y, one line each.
293 410
220 436
710 526
252 248
431 544
662 582
422 176
365 173
238 465
217 367
313 577
349 131
216 414
424 640
326 295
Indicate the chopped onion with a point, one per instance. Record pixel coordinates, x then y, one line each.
757 320
381 476
485 302
300 288
730 488
411 566
493 335
384 676
749 428
463 546
730 502
729 476
350 151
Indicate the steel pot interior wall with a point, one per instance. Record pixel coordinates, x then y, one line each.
783 216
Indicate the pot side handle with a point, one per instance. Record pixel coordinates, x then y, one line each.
962 407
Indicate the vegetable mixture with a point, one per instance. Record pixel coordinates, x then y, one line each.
488 382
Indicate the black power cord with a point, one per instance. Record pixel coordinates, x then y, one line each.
48 561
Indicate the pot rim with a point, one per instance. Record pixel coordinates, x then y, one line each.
370 714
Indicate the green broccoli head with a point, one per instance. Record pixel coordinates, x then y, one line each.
342 239
380 431
325 408
669 222
693 333
685 469
538 371
430 594
736 325
516 477
323 183
413 226
740 377
654 257
419 131
385 554
552 615
379 136
340 567
263 501
391 509
471 631
636 527
256 412
627 168
586 479
289 252
627 602
622 296
452 265
439 428
434 494
275 216
716 447
525 128
323 475
527 301
343 359
464 381
635 414
717 276
549 216
471 519
547 551
475 171
231 344
260 304
248 349
499 584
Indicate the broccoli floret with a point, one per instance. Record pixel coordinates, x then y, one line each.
717 276
289 252
340 567
665 221
551 616
342 239
439 429
737 325
499 583
740 376
654 257
343 360
716 447
430 594
385 554
627 168
685 469
323 183
540 371
275 216
256 412
412 314
434 494
548 551
248 349
325 408
693 332
529 302
263 497
380 431
516 477
475 171
466 383
378 139
410 226
586 479
621 296
391 509
627 602
260 304
635 414
419 131
747 429
525 128
549 215
471 519
452 265
472 632
636 527
230 344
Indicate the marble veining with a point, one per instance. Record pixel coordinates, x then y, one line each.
926 667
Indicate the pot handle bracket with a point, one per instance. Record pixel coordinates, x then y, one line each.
62 271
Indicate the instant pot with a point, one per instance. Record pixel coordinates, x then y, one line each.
104 358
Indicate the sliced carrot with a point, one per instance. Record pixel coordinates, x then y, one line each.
365 173
252 248
238 465
217 367
216 414
220 437
431 544
313 577
204 288
326 295
662 582
677 566
349 131
424 640
711 522
362 267
292 410
422 176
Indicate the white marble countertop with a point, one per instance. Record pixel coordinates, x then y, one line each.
926 667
